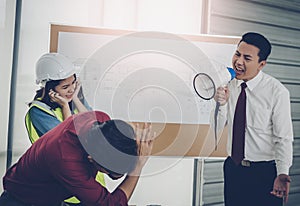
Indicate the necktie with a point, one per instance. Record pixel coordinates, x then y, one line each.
239 123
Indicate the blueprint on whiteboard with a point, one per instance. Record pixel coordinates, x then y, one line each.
149 85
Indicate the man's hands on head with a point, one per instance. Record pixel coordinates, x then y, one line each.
144 140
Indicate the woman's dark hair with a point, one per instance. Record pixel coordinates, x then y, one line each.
259 41
43 94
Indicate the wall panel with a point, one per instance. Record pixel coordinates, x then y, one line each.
279 21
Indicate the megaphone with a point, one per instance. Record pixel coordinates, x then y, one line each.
206 84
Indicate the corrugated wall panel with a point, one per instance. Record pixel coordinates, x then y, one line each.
279 21
213 194
295 108
254 11
233 17
213 181
236 26
283 73
294 192
280 51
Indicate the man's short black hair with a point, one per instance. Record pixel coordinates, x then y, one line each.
261 42
112 145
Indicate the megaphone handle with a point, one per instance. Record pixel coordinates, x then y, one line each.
216 122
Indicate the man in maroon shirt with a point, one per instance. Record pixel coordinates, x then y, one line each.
64 162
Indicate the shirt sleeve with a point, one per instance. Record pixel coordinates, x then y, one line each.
76 178
86 104
220 118
42 121
75 173
283 131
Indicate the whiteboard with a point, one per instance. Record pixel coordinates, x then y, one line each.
146 76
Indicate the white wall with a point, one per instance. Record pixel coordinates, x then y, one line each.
172 186
164 181
7 11
34 41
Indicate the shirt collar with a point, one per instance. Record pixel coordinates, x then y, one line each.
251 84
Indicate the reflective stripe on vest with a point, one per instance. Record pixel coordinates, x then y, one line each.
32 133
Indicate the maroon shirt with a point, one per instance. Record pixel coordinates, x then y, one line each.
56 167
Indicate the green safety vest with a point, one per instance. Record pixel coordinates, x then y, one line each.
33 135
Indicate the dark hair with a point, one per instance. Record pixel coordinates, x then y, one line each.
261 42
43 94
112 145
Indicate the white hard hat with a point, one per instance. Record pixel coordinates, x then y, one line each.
53 66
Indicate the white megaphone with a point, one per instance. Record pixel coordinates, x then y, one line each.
206 84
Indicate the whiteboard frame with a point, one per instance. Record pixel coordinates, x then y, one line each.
199 146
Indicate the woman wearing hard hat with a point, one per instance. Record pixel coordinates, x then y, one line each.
59 97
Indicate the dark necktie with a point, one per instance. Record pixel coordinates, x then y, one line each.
239 123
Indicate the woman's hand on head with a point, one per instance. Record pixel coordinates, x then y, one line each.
55 97
77 88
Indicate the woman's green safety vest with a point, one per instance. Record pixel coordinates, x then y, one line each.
33 135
